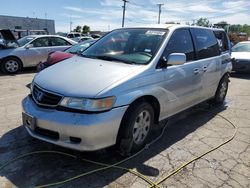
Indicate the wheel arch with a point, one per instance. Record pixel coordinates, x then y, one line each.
13 56
153 101
223 76
121 141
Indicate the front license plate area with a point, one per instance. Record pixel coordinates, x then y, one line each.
29 121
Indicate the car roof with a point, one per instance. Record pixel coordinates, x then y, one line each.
74 33
218 29
36 36
65 38
173 26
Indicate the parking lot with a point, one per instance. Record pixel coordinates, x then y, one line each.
183 139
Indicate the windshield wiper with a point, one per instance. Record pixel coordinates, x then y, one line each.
112 58
87 56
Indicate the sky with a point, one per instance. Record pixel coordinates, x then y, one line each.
106 15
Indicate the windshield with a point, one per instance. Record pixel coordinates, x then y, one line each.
134 46
241 47
25 40
80 47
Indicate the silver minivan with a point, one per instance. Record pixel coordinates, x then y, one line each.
122 86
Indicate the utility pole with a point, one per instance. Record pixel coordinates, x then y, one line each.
70 24
46 22
193 22
159 15
124 9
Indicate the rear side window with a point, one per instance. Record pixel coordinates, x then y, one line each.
180 42
222 39
205 43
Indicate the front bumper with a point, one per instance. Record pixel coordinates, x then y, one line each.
84 132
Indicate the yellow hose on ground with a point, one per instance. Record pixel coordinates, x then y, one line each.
196 158
108 166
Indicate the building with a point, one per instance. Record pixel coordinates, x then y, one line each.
25 25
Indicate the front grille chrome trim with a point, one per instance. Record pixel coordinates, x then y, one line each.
46 91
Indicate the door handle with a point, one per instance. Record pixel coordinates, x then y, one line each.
204 68
196 71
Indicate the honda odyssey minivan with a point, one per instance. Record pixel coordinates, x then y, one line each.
114 93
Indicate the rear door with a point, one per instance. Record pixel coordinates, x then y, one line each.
208 55
183 83
58 44
37 53
225 48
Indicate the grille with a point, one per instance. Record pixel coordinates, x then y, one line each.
45 98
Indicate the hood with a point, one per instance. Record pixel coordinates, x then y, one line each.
83 77
8 38
241 55
7 35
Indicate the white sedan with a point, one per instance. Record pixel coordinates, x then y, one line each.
241 57
29 51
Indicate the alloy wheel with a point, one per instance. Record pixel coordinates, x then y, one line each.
11 65
141 127
223 90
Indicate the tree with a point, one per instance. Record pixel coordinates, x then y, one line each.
237 28
85 29
203 22
78 29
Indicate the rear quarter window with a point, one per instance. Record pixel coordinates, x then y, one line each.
206 44
222 39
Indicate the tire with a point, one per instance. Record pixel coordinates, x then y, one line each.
135 128
221 91
11 65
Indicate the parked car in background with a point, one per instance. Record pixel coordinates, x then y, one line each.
58 56
95 36
74 36
29 51
83 38
116 94
7 39
241 57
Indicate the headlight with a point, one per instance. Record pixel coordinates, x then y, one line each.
88 104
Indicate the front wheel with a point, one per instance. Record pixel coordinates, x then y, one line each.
11 65
221 91
135 128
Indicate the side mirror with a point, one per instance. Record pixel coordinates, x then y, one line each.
29 46
176 59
